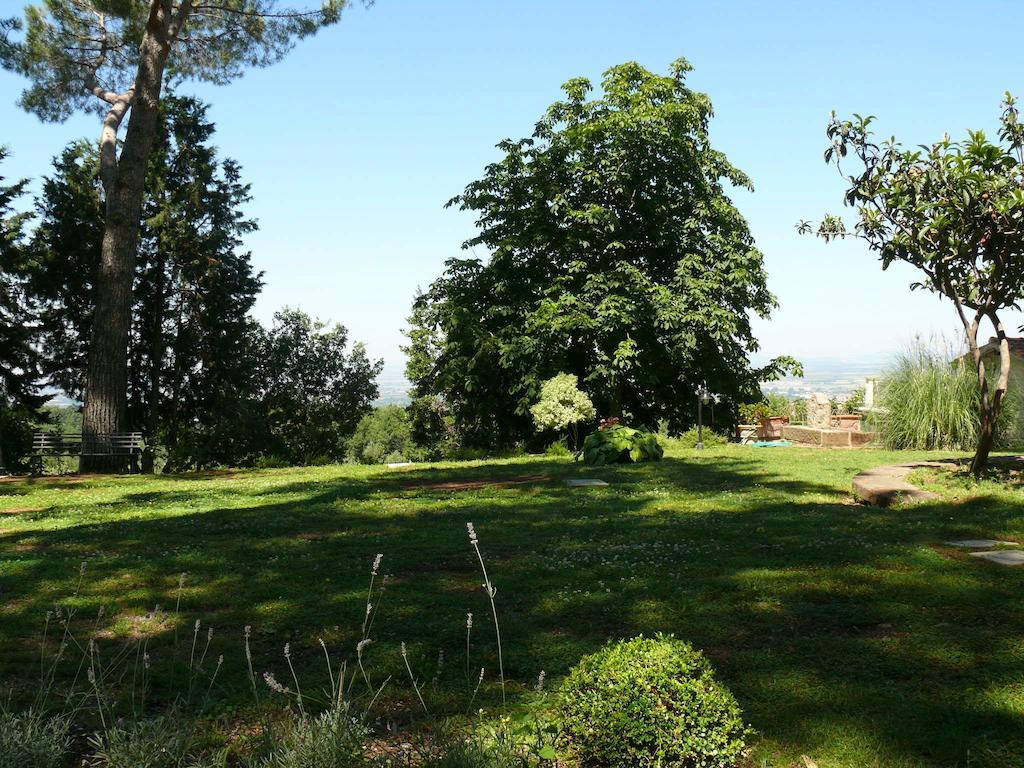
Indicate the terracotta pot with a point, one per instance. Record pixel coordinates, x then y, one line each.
771 428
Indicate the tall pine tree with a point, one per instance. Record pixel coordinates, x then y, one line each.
20 395
190 361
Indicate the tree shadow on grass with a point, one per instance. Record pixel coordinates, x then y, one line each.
844 630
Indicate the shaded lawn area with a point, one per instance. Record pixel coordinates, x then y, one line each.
847 633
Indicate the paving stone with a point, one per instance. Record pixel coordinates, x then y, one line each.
585 482
980 543
1002 556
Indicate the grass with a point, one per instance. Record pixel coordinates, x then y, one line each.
847 633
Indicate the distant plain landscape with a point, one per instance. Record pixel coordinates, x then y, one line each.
835 378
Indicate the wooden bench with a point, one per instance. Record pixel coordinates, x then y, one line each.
65 445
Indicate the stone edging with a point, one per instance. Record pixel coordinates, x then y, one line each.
885 486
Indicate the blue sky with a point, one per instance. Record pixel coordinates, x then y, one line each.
354 143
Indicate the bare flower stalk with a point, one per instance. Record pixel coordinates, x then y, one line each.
209 639
195 637
469 631
298 691
359 658
405 658
330 670
369 593
476 690
248 661
177 604
491 592
213 679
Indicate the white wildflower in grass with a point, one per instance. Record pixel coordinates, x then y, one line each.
376 564
491 593
540 682
469 631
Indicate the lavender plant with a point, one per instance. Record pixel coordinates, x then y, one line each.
491 593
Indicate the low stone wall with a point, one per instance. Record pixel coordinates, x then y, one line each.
826 438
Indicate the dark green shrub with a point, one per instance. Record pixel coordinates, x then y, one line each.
649 702
616 444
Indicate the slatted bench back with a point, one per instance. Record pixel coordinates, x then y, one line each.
73 444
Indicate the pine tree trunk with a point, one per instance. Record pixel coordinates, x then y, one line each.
106 395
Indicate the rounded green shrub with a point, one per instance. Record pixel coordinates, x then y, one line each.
649 702
618 444
381 436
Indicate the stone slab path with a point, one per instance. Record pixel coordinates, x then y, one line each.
585 482
1002 556
885 486
980 543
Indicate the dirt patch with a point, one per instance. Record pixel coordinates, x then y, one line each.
50 480
476 483
21 510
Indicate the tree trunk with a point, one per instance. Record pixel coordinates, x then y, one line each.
106 395
990 407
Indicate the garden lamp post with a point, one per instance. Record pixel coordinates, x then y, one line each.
703 397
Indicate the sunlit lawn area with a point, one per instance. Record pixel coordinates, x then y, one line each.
847 633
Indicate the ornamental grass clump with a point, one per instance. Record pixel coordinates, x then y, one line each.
930 403
648 702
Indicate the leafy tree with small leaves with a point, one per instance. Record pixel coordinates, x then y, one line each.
562 406
955 211
615 255
112 58
315 389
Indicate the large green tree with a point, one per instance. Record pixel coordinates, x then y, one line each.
191 352
315 389
955 211
112 57
616 254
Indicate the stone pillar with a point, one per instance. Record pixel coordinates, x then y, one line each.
869 392
819 411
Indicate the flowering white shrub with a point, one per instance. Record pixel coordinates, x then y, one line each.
563 405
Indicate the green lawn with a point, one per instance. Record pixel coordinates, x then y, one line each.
847 633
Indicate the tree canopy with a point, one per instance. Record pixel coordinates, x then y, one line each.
114 57
20 379
955 211
616 255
